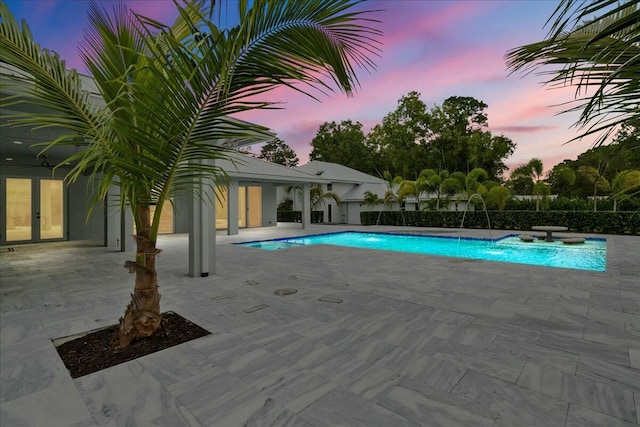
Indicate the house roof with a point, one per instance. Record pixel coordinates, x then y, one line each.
247 168
23 152
338 173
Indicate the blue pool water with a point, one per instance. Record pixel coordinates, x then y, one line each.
590 255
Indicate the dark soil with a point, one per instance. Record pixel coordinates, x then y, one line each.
94 352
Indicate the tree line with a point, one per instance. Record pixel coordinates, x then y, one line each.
436 150
452 136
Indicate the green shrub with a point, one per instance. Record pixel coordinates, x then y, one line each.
604 222
296 216
286 204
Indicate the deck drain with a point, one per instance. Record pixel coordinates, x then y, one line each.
224 297
252 282
330 299
255 308
285 291
338 285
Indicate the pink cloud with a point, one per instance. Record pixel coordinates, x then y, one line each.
521 129
163 11
421 21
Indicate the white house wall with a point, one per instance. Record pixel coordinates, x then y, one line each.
81 227
269 205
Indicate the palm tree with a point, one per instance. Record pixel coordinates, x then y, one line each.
370 199
596 177
497 197
473 181
452 185
527 178
427 182
318 197
539 188
593 45
169 92
624 185
437 182
397 190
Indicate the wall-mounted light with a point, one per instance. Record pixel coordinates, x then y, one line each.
9 159
17 142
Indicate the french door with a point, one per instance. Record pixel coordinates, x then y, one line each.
33 210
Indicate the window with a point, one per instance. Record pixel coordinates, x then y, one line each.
329 187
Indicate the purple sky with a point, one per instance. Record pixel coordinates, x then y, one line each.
438 48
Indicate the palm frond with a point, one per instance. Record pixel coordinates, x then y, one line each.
169 92
599 56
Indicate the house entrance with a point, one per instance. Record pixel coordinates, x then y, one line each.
34 210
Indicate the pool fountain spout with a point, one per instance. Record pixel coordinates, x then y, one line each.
485 211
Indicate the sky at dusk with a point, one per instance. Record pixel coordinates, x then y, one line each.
438 48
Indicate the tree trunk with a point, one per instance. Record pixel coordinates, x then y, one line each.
142 316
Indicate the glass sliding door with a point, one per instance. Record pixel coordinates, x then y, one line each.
242 207
254 206
249 207
34 210
18 202
166 221
51 209
221 208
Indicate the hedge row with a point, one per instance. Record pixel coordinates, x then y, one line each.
296 216
566 204
575 221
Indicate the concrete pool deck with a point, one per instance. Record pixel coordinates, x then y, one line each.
416 340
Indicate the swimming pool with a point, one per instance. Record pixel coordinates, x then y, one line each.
590 255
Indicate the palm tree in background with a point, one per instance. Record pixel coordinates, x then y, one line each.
427 182
527 178
596 177
594 46
624 185
371 199
317 196
169 92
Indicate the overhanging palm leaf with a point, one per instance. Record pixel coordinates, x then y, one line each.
168 93
600 57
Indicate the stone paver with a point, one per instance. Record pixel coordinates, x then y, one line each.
416 340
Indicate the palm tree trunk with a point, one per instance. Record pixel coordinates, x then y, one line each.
142 316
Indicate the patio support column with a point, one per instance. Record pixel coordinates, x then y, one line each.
202 230
232 208
127 242
119 223
306 206
112 215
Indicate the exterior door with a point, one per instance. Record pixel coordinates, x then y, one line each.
34 210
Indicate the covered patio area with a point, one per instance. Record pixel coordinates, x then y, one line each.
416 340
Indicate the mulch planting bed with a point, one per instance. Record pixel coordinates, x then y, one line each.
94 352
